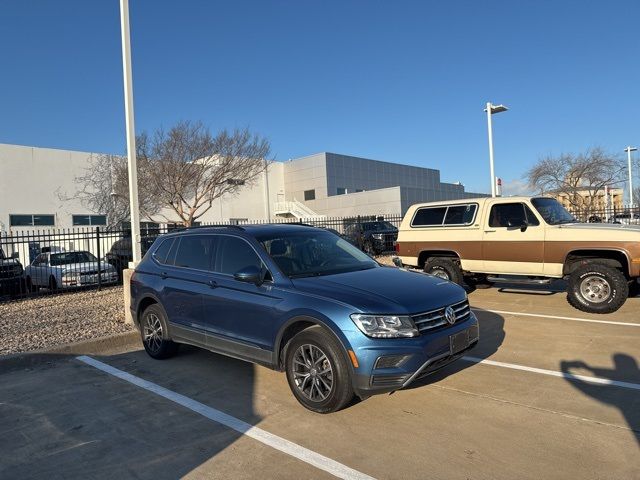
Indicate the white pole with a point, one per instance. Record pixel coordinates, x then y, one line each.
131 134
493 178
630 149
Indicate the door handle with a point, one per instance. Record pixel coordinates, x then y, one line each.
164 275
489 231
212 283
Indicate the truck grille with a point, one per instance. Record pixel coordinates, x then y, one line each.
436 318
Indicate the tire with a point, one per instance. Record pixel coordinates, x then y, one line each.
31 288
597 288
445 268
53 284
308 355
154 333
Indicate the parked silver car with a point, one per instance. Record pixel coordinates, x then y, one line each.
67 269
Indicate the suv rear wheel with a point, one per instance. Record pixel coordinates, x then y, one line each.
317 371
597 288
155 338
446 268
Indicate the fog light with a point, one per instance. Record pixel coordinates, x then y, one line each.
391 361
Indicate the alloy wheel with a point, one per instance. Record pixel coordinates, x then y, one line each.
595 289
312 373
153 332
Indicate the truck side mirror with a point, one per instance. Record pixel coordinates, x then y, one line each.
523 227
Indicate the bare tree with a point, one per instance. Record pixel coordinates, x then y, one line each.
181 172
186 168
578 177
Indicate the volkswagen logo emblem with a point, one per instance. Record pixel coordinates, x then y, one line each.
450 315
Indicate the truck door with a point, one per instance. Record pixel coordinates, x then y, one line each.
513 240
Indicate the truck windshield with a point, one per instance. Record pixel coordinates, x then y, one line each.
552 212
313 253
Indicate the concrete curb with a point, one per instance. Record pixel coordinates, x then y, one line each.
110 344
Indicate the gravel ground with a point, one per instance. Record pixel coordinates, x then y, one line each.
55 320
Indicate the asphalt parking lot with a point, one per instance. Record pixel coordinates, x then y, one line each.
550 392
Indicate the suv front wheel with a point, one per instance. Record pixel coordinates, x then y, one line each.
597 288
317 371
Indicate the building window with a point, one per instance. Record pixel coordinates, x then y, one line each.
309 195
87 220
342 191
32 220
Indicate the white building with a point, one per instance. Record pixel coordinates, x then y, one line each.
35 184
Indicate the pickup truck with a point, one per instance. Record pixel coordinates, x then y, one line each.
528 240
11 279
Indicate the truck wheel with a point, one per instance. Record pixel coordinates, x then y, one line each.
597 288
445 268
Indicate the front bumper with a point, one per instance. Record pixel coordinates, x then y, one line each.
424 355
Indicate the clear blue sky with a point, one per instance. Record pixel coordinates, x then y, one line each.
403 81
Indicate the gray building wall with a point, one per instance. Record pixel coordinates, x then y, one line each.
306 173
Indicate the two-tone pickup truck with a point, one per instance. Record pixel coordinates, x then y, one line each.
529 240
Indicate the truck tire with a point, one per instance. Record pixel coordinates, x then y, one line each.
446 268
597 288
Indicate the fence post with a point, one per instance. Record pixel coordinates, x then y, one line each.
99 255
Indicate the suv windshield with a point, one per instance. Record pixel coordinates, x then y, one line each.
313 253
552 212
378 226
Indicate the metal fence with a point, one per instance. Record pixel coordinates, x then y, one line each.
624 215
54 261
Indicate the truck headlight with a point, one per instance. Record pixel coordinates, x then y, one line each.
385 326
378 236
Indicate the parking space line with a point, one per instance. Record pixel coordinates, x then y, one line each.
304 454
553 373
556 317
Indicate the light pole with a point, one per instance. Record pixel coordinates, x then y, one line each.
491 109
134 206
630 149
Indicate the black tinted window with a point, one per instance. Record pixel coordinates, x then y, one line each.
429 216
511 215
460 215
195 251
163 250
236 254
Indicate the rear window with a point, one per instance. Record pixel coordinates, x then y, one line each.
445 215
163 250
195 251
428 216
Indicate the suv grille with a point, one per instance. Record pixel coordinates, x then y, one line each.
435 318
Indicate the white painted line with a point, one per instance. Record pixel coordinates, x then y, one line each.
574 319
553 373
308 456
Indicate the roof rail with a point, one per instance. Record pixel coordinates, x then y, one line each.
195 227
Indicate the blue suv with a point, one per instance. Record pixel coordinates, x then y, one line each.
302 300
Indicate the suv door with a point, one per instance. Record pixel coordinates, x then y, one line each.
239 311
185 276
513 240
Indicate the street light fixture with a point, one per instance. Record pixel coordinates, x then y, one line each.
630 149
491 109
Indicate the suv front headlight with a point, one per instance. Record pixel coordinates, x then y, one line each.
385 326
378 236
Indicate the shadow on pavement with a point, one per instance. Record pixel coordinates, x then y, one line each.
491 337
625 368
60 418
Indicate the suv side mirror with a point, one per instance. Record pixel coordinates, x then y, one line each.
523 227
250 274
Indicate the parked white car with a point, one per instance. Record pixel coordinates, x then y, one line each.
68 269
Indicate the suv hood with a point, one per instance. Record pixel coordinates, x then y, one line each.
384 290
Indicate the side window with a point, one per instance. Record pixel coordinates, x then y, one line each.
428 216
195 251
235 254
162 251
460 215
511 215
39 260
